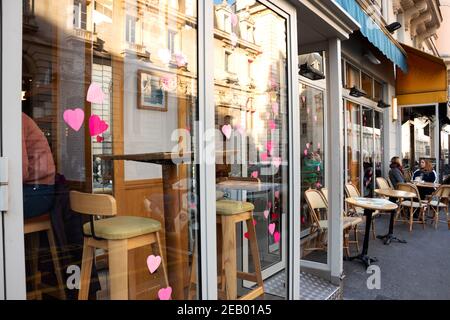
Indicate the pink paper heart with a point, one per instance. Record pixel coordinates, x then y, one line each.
254 222
74 118
275 216
234 39
305 152
268 115
308 145
266 214
275 107
153 263
271 228
269 146
97 126
276 162
264 156
95 94
277 194
246 235
255 174
276 237
272 125
100 139
226 130
269 204
165 293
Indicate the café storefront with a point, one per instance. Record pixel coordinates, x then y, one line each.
178 138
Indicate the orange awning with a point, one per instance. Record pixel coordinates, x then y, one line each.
426 81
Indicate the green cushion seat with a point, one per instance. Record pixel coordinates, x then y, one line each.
230 207
122 227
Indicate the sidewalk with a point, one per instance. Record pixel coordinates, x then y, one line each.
419 269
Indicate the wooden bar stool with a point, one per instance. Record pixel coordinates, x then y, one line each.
32 227
117 235
229 214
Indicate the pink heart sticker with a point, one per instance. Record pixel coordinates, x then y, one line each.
276 162
275 216
305 152
275 108
165 293
318 168
266 214
269 204
277 194
97 126
74 118
269 146
226 130
255 174
254 222
153 263
318 185
100 139
246 235
318 145
272 125
276 237
264 156
268 115
95 94
271 228
308 145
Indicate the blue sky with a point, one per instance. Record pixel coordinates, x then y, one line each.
220 1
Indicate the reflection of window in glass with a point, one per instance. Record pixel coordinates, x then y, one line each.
378 91
353 76
130 29
367 84
226 23
172 40
79 15
228 62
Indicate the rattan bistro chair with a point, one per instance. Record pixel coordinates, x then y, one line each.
352 191
382 183
437 202
411 206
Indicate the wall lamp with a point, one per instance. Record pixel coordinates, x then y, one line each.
355 92
381 104
311 73
393 27
394 109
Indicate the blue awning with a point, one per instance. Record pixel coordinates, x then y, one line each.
372 31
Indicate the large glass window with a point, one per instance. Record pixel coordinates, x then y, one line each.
353 146
109 149
252 148
353 76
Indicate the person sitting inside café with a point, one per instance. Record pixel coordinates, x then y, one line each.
38 169
396 174
425 173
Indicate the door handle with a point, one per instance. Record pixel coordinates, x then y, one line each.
4 184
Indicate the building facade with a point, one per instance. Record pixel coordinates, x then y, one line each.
191 117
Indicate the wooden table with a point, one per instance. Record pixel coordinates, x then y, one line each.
370 205
427 184
398 194
169 162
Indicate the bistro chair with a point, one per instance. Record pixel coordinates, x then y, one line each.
407 174
118 235
382 183
317 202
438 201
352 191
411 205
32 228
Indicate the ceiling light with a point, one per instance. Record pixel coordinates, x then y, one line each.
355 92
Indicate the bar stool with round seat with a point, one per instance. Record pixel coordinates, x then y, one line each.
117 235
229 213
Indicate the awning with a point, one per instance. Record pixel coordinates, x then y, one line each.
426 81
372 31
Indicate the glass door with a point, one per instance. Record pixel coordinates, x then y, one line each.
353 144
251 108
368 152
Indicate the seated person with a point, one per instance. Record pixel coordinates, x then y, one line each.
38 169
425 173
396 174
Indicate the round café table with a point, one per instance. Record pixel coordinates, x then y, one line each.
398 194
370 205
427 184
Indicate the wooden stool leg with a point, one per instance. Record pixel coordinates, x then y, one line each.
118 269
157 250
56 265
34 264
253 242
355 230
411 215
86 269
229 256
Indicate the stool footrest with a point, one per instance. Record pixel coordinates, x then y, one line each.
255 293
247 276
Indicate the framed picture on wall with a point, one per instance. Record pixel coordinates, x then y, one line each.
151 95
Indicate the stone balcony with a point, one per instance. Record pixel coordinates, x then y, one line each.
82 35
136 50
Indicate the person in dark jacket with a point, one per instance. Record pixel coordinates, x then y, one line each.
425 174
396 173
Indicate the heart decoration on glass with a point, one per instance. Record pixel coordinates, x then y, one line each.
74 118
226 130
97 126
271 228
255 174
153 263
276 237
266 214
100 139
276 162
275 108
264 156
165 293
95 94
246 235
